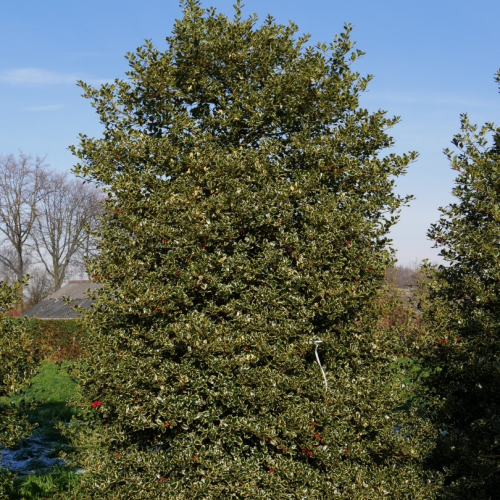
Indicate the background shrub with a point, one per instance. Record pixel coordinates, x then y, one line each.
463 312
19 357
61 339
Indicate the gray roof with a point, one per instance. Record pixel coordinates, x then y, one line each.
75 290
53 307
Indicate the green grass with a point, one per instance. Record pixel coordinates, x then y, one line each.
46 400
52 385
49 393
58 483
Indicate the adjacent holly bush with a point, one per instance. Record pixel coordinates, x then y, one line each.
19 358
18 361
463 311
249 202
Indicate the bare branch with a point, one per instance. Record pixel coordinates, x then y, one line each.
66 208
21 183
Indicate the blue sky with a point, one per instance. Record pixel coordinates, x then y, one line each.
431 61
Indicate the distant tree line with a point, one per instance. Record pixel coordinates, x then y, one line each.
404 276
43 220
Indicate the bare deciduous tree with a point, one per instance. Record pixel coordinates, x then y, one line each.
22 180
7 254
43 217
39 286
66 208
87 251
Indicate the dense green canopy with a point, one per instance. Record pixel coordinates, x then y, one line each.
249 202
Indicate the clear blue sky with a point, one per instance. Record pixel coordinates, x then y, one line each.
431 60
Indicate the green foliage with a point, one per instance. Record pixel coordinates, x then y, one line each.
463 310
9 295
247 216
18 360
59 483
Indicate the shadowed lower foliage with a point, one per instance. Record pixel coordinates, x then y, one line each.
468 449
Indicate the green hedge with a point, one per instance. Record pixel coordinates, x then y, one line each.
63 339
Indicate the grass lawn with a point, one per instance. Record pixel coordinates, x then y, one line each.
46 402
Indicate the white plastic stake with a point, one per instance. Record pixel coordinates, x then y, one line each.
317 342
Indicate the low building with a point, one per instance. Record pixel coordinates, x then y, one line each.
54 307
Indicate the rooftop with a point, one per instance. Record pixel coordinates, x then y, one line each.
54 307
